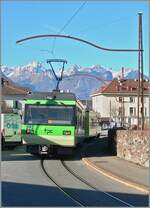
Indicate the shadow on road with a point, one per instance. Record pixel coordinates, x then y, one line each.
20 194
17 154
97 147
101 144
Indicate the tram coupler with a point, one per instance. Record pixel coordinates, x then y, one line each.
43 150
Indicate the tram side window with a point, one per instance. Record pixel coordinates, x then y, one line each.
79 117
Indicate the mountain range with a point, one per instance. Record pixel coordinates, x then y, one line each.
83 81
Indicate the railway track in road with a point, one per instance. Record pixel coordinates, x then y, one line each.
82 180
91 186
81 204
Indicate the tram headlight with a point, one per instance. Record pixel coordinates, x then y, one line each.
66 132
28 131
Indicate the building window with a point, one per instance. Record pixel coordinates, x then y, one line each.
129 121
121 111
131 99
120 99
131 111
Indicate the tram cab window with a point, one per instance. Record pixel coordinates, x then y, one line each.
44 114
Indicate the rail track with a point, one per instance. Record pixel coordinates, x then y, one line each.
73 198
79 203
91 186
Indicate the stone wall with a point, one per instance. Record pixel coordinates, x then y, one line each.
133 145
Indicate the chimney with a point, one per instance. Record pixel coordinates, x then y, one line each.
122 73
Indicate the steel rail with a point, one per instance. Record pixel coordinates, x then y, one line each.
77 39
59 186
91 186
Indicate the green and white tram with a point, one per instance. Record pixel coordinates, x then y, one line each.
54 123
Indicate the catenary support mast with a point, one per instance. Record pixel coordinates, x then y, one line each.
140 105
142 76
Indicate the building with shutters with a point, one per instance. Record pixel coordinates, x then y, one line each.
117 101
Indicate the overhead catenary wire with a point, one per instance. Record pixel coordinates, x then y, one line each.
71 18
67 23
62 29
100 26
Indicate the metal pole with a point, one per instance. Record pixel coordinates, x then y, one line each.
122 73
123 108
77 39
139 61
142 76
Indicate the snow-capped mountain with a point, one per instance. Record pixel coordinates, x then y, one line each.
83 81
128 74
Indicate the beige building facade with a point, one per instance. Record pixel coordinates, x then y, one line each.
119 102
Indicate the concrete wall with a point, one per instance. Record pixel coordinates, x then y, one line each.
133 146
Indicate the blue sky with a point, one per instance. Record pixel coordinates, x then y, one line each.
106 23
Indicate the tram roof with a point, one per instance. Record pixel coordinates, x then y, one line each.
42 96
51 96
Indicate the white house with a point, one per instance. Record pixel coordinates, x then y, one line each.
117 101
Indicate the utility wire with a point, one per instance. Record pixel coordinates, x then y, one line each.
104 25
71 18
64 26
67 23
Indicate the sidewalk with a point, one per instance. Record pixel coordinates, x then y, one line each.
96 156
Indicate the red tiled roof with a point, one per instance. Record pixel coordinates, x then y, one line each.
9 88
122 87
